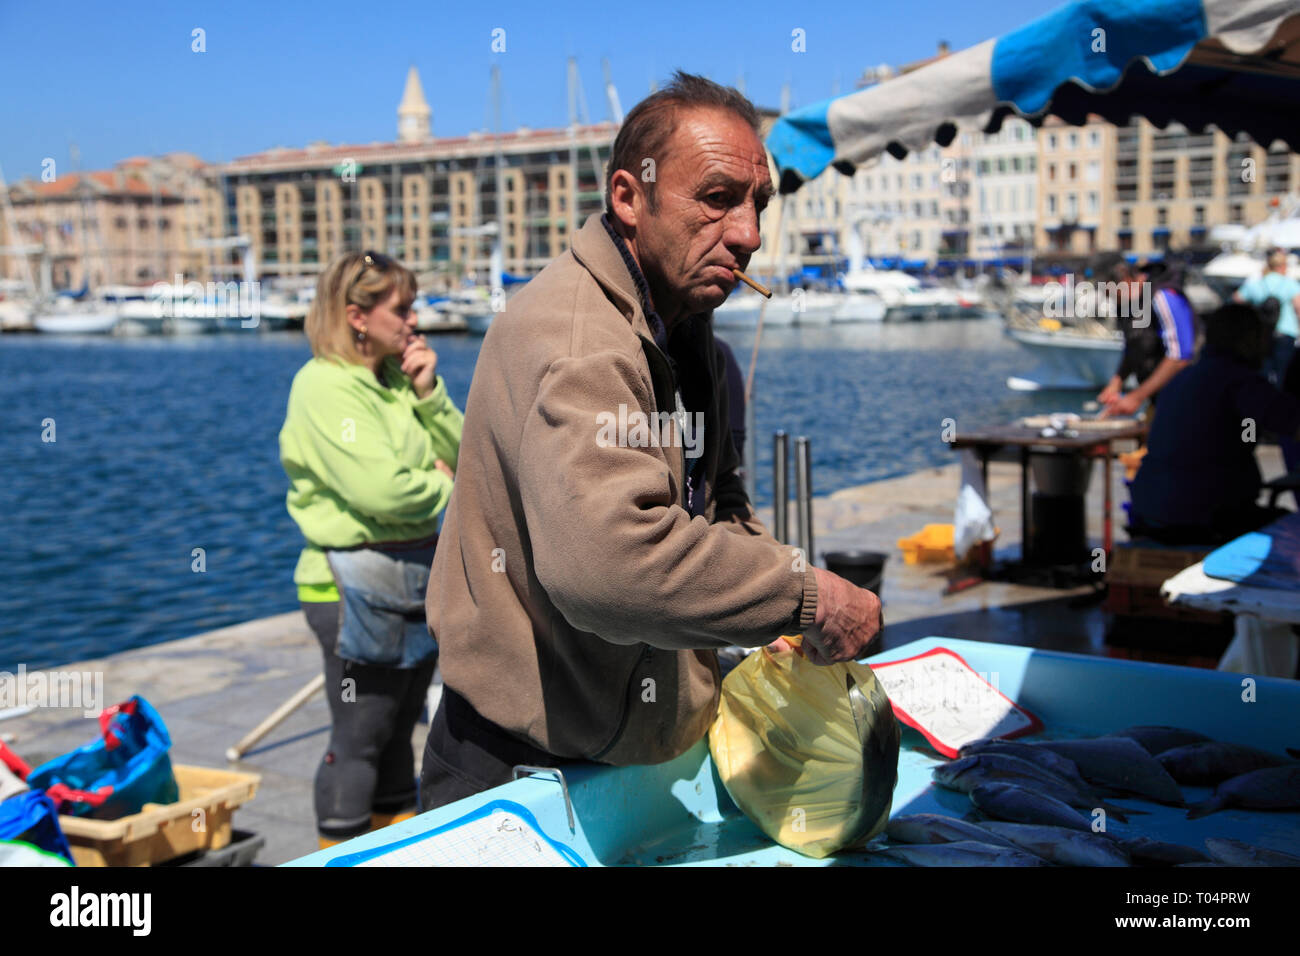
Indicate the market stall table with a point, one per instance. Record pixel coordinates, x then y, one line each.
1088 439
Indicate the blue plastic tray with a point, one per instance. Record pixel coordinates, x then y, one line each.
678 814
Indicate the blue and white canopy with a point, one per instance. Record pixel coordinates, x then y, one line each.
1231 63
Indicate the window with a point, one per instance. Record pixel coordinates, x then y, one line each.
1162 216
1126 217
1051 171
1072 206
1002 165
1094 203
1051 204
1073 171
1092 171
1198 216
1051 141
1016 164
1094 140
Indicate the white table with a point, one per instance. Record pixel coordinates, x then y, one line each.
1263 642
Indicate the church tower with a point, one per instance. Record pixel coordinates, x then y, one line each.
414 117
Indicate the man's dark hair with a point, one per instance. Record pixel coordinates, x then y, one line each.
1240 329
649 126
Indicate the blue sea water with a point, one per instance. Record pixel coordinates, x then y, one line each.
162 446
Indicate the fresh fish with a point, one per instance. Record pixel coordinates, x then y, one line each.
1273 788
1119 762
1040 756
1236 853
1212 762
969 772
1149 852
936 828
1061 845
1019 805
1156 740
961 853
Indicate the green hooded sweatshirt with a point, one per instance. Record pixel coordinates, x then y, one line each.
360 460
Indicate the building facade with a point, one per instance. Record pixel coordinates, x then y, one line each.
137 223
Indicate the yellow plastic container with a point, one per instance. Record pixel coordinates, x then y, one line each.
934 542
200 820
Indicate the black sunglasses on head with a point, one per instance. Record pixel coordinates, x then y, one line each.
371 259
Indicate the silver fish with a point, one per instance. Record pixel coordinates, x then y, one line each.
1020 805
936 828
1119 762
1148 852
961 853
1236 853
1273 788
1212 762
969 772
1040 756
1061 845
1156 740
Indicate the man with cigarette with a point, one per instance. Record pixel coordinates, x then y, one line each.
599 546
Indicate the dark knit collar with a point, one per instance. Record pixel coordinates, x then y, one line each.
656 324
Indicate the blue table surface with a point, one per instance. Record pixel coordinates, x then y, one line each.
678 813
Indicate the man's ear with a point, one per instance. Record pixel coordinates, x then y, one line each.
626 198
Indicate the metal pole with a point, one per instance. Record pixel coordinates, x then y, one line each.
780 487
803 491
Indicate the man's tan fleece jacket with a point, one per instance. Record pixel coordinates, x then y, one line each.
576 602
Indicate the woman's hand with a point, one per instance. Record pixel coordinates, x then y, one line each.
442 467
420 365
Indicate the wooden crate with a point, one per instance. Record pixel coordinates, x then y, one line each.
163 832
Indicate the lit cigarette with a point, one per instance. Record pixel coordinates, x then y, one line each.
760 289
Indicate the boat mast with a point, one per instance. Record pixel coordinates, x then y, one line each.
495 263
572 199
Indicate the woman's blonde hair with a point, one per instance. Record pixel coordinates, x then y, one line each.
363 279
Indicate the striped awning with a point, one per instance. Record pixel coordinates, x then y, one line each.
1234 64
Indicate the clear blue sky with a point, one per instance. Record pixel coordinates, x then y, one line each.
119 78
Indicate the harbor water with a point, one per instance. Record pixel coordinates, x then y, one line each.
144 500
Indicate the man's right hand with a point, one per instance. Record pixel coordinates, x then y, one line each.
1111 392
848 618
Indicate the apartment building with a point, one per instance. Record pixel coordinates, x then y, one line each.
1172 186
431 202
138 222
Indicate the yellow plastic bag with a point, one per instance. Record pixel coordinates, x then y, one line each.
808 752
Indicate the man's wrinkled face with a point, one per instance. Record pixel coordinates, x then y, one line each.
710 189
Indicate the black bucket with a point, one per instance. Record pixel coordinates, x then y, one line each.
866 569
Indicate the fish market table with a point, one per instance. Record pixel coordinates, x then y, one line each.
1086 439
679 814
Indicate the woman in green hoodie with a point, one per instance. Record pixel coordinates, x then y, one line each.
369 443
